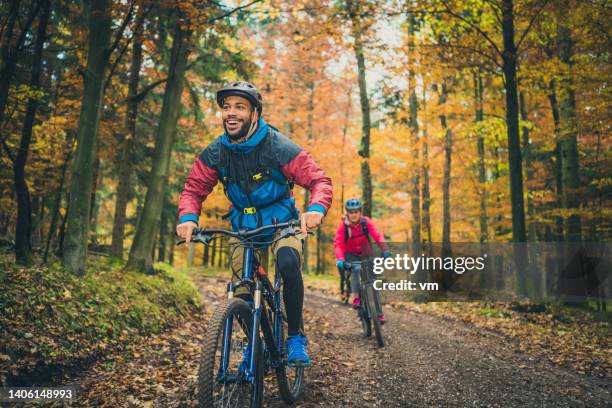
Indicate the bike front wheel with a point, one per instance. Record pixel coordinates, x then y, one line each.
364 316
227 384
372 303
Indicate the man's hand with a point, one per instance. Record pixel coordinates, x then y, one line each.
311 219
185 229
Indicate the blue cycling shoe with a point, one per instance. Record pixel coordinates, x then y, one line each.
296 347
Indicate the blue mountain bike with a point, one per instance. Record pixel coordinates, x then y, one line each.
234 358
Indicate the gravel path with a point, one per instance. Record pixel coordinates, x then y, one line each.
428 362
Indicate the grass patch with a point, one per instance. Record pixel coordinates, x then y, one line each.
50 317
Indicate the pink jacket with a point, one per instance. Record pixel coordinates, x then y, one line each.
357 243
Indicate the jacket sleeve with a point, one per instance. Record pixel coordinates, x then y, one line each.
339 243
303 170
376 234
200 182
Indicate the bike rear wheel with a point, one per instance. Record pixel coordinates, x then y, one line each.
290 379
230 388
372 300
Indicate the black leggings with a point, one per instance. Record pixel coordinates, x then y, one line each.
288 264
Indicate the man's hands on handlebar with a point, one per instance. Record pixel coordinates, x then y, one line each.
310 219
185 230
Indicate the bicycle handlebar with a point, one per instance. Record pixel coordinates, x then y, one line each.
204 235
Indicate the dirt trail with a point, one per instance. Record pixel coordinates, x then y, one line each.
428 361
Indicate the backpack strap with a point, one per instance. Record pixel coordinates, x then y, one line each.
364 227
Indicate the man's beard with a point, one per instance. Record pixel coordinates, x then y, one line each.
241 133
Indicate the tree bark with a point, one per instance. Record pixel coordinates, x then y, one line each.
161 249
140 252
364 150
531 230
413 125
554 107
448 149
310 135
482 176
426 193
10 49
567 127
75 245
23 249
94 207
125 161
344 131
509 56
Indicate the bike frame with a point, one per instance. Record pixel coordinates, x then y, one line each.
272 331
367 280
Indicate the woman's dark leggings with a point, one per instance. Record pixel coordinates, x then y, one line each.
288 264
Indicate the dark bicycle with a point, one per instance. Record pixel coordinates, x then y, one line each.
345 285
370 306
234 360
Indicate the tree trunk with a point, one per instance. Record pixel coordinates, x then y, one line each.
364 150
514 145
426 194
140 252
482 176
75 245
23 255
512 122
567 127
161 249
206 256
552 97
344 131
10 49
310 135
125 161
413 125
448 149
531 230
94 207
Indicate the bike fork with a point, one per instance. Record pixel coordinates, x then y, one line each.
254 329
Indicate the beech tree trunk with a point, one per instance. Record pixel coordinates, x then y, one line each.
23 249
413 125
75 240
364 150
124 163
567 127
140 252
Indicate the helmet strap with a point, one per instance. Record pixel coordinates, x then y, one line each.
254 120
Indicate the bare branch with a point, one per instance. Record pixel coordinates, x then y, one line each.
474 26
529 26
212 20
8 151
124 24
140 96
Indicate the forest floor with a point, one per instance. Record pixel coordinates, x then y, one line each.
429 360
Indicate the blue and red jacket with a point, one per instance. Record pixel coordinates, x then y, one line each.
257 177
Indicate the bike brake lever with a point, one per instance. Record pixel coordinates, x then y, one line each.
203 239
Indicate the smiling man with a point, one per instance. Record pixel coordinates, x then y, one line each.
258 167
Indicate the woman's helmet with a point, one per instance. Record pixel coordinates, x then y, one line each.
353 204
